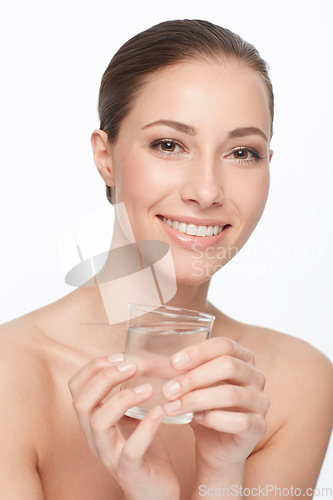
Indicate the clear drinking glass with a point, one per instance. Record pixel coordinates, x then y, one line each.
154 334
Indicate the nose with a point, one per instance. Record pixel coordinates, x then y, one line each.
202 186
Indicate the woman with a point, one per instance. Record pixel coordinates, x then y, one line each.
186 113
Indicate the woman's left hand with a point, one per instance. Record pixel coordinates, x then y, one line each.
224 390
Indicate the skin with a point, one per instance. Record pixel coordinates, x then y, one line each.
201 179
229 382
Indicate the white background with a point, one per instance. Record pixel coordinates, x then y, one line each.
53 57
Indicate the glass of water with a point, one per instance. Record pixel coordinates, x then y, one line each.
154 334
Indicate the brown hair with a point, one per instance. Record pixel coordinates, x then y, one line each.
167 44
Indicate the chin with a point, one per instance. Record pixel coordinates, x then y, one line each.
192 281
192 277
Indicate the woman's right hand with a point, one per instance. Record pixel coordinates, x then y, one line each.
140 462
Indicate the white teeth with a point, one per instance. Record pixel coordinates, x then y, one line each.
192 229
202 231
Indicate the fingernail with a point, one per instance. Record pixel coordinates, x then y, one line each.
126 366
171 388
174 405
114 359
156 413
180 359
141 389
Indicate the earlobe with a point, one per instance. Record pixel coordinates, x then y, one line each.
102 156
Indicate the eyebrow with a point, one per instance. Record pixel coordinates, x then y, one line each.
187 129
181 127
243 131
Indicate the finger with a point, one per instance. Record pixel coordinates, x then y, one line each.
100 385
197 354
104 432
114 409
226 397
90 396
140 440
243 424
225 369
91 368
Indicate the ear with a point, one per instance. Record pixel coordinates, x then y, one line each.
270 155
102 156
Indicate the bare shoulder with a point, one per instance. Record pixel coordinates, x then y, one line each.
38 347
279 355
23 371
282 356
21 345
299 383
24 386
296 372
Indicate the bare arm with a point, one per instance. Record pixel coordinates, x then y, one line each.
293 456
19 478
232 414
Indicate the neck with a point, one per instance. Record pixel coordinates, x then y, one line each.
124 280
141 272
191 297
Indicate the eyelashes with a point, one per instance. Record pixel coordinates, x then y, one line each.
167 147
244 154
170 148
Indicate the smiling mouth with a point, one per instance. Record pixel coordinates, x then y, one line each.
193 229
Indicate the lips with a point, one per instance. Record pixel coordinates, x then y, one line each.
191 229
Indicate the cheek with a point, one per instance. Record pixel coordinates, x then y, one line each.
250 194
142 178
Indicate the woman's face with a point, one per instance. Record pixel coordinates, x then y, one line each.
191 163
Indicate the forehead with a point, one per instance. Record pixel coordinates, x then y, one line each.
202 94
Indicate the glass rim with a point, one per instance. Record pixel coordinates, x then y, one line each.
174 312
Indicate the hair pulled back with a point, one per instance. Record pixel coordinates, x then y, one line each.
167 44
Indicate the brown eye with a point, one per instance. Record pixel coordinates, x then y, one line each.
168 146
241 154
